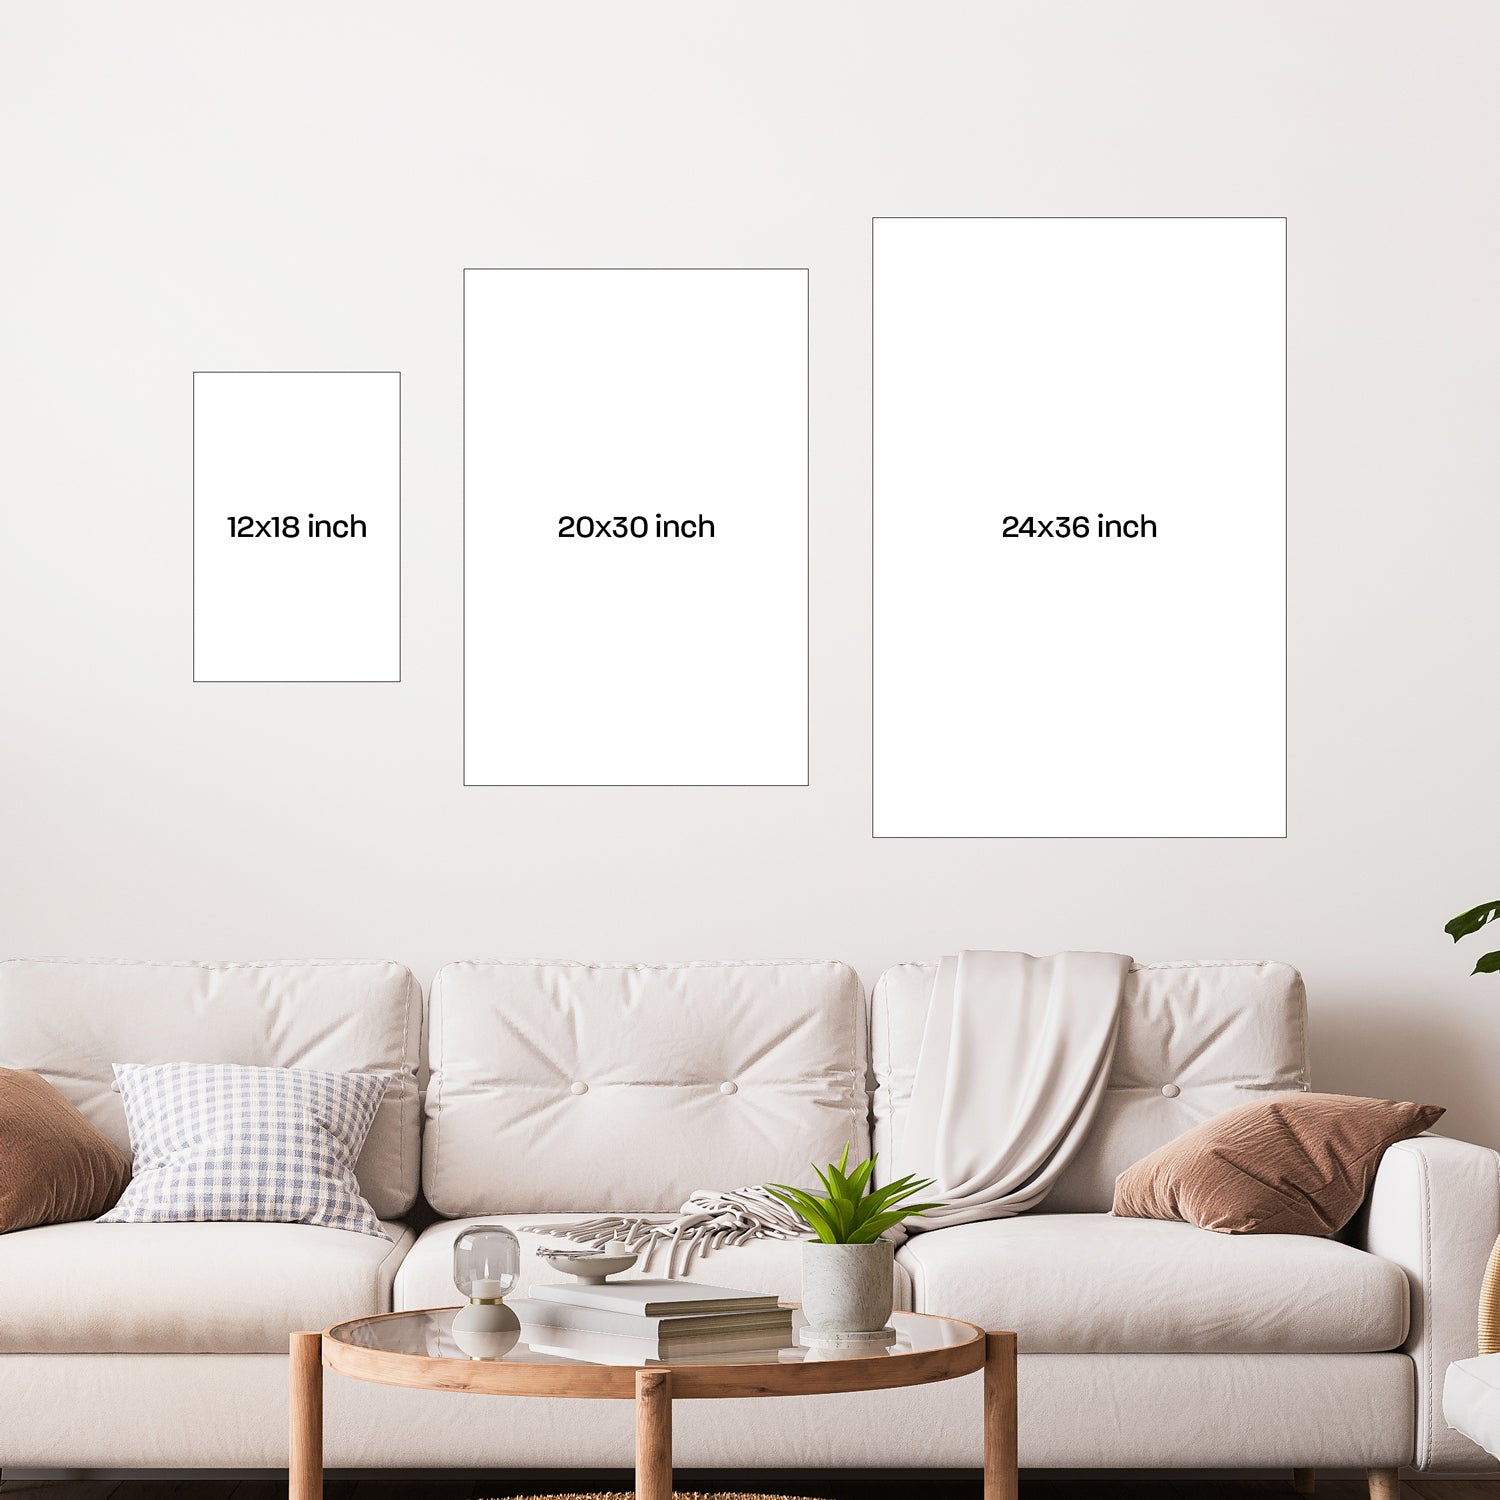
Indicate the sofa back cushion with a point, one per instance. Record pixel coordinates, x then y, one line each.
561 1087
1196 1038
70 1020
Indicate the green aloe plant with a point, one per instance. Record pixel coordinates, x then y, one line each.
1471 921
844 1214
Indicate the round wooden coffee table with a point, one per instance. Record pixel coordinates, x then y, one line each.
417 1349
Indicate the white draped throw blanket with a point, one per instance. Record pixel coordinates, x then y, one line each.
1015 1056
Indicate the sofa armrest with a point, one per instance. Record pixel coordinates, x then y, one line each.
1435 1211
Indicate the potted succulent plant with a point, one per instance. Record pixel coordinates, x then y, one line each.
848 1283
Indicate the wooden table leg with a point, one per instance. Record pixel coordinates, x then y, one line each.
305 1469
653 1435
1001 1475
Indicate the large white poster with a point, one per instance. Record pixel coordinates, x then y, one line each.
1079 512
635 527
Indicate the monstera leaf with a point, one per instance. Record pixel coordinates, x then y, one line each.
1471 921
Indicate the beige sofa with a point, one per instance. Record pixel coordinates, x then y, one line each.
559 1090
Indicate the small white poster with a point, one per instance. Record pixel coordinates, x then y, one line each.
296 527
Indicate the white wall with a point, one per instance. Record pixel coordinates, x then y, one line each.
297 185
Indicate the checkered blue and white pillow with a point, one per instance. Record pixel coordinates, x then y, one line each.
215 1141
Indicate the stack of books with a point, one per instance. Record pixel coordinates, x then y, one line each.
647 1321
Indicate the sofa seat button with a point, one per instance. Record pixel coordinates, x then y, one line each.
729 1088
579 1088
1170 1090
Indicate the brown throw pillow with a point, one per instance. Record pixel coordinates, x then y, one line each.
54 1165
1295 1164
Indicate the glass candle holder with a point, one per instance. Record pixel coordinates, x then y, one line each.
486 1263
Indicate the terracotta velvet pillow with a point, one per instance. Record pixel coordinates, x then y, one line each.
1295 1164
54 1165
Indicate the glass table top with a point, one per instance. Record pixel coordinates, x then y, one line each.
430 1335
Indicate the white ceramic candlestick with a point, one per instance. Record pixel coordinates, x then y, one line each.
486 1317
486 1312
486 1330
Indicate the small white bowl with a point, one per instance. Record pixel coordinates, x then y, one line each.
589 1266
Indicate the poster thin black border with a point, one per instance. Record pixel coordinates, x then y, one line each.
400 550
1286 585
463 684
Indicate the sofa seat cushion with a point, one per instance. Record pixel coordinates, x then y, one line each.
1091 1283
90 1288
773 1266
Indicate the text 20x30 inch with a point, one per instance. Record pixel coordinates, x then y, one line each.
624 528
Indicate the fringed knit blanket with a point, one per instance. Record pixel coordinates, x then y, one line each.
705 1223
1015 1056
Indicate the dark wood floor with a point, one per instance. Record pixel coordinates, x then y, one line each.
1041 1484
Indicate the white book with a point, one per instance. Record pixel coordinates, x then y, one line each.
652 1298
772 1322
614 1349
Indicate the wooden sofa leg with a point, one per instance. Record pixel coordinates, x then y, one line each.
1385 1484
1305 1481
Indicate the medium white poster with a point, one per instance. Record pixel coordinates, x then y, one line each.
635 527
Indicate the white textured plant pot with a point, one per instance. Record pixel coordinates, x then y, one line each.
848 1288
